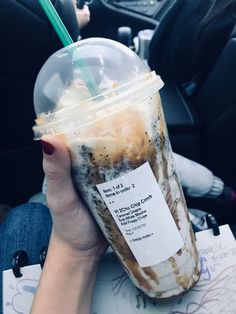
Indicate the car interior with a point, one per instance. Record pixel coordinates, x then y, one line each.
201 128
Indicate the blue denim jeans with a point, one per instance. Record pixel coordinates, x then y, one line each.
26 227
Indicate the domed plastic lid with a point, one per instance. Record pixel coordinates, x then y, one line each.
84 70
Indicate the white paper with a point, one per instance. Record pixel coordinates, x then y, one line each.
215 293
142 215
18 293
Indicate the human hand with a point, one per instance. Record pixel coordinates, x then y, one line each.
76 243
83 16
73 226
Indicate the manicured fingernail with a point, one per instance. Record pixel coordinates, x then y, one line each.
47 148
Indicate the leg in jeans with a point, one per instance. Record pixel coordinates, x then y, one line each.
26 227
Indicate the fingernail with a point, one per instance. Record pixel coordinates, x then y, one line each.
47 148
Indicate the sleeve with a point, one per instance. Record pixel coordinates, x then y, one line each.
197 180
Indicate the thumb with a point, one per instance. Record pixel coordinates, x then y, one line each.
57 168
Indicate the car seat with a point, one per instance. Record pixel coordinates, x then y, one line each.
27 40
202 127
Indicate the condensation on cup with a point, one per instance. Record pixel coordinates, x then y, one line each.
122 161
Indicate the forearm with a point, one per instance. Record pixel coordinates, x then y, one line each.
66 283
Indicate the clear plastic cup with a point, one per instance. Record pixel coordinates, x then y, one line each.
122 161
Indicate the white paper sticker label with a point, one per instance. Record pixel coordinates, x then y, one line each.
142 215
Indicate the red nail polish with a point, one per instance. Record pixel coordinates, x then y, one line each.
47 147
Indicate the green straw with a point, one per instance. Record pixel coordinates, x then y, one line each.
66 40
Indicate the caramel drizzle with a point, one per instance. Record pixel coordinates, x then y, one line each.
172 204
145 150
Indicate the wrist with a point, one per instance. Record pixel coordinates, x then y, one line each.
65 267
74 255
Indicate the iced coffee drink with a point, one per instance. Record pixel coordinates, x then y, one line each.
123 168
